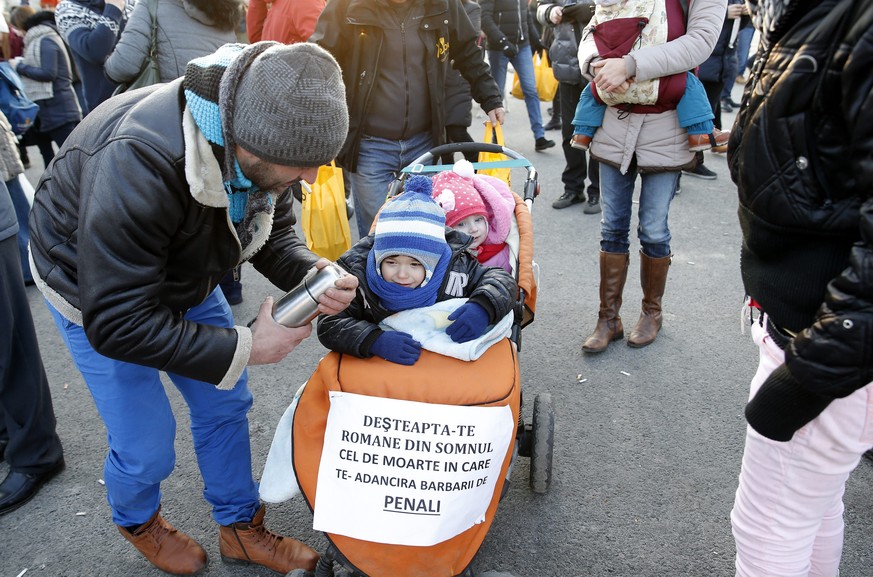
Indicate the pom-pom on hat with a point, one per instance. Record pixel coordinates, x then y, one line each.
455 192
413 225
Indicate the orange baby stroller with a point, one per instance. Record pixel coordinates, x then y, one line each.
404 466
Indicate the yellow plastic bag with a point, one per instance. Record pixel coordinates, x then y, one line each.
547 84
494 135
324 217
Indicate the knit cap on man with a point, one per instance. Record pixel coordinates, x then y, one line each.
412 225
286 104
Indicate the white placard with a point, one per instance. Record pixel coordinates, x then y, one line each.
408 473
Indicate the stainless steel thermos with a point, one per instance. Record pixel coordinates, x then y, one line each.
300 305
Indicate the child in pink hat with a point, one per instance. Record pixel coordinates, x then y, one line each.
481 206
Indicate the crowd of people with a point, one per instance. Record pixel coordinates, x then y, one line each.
255 96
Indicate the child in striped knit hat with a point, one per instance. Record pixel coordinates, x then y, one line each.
411 260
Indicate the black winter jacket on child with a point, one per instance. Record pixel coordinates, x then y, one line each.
354 330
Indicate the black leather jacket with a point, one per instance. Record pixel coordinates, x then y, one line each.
801 153
355 329
351 31
124 244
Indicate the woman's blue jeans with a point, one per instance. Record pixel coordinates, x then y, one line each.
379 162
22 213
523 65
141 428
616 200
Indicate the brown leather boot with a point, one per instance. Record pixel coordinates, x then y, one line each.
613 274
167 548
252 544
653 279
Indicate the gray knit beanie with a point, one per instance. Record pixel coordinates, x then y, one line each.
286 104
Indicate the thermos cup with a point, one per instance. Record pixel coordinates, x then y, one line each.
300 305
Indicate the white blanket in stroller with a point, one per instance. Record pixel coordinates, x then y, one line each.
428 325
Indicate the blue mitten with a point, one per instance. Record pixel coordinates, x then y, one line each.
471 320
397 347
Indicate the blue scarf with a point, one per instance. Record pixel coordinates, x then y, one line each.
398 298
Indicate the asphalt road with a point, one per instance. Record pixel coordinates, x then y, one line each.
647 441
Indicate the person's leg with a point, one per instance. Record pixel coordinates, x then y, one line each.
44 143
694 110
523 64
59 135
731 66
458 133
27 412
22 214
575 167
744 45
589 113
713 90
498 61
616 199
787 513
140 426
379 162
220 429
554 122
656 193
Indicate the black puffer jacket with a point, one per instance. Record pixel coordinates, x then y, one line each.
124 244
801 153
351 31
354 330
510 19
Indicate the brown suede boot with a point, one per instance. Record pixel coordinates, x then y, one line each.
653 279
252 544
167 548
613 274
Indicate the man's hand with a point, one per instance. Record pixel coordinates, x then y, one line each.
497 116
271 342
556 14
734 11
336 299
117 3
609 74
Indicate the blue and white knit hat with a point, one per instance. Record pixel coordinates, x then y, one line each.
412 225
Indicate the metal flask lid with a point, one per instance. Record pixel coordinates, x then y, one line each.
300 305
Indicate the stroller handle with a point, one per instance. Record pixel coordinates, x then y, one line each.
531 188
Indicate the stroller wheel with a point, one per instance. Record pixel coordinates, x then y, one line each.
542 444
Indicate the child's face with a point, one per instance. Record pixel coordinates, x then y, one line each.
402 270
476 225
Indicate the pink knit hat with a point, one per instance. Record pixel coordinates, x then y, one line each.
458 197
493 193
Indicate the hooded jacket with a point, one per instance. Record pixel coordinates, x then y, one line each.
354 330
130 229
352 31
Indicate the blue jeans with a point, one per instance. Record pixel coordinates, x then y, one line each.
616 198
523 64
141 428
744 44
379 162
22 213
